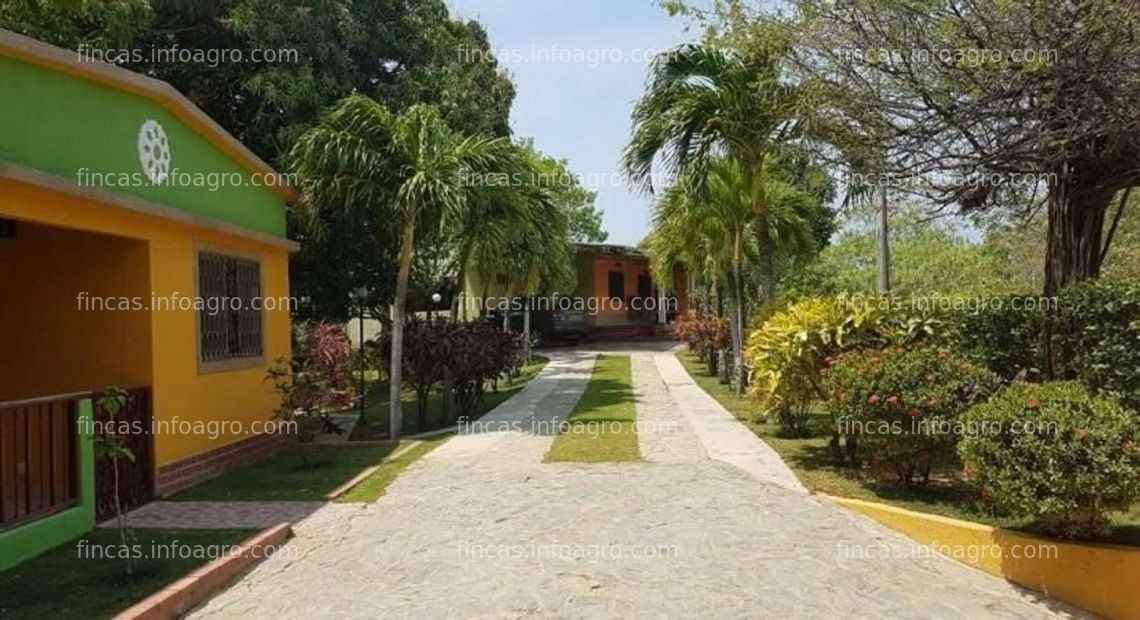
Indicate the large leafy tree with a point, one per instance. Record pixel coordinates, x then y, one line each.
702 102
981 104
409 168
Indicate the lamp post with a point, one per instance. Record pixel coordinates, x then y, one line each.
359 294
435 299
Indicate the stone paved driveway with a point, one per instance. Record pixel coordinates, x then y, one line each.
700 529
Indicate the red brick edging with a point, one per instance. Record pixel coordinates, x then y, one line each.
184 594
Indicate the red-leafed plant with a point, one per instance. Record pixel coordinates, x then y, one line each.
705 334
314 384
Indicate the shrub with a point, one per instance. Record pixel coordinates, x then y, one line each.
1095 328
705 334
788 351
425 354
1098 329
473 354
327 350
316 382
901 405
1079 463
480 353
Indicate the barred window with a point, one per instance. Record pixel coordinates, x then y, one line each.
229 317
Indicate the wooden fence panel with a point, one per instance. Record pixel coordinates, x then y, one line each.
37 458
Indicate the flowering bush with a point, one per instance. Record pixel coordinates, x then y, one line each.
705 334
789 351
1054 452
901 405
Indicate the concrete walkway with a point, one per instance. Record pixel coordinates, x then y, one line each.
708 525
213 515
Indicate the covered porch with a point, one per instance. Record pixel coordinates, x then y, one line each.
74 319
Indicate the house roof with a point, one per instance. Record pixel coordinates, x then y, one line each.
613 249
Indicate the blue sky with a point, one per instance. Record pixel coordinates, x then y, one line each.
578 66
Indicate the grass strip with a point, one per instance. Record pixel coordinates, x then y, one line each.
373 487
89 580
296 473
602 427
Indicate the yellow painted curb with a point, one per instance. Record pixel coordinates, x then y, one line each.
1101 578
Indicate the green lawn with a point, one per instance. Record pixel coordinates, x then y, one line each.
63 584
376 405
374 486
811 462
602 426
285 477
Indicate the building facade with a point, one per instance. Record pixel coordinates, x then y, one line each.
141 247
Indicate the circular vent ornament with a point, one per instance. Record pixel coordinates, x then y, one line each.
154 151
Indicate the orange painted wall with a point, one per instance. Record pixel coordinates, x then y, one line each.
181 392
50 344
614 312
631 268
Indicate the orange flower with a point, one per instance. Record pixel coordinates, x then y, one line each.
932 401
841 396
1033 403
877 360
914 412
1081 433
874 399
893 399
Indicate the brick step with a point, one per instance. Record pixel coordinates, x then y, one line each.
628 332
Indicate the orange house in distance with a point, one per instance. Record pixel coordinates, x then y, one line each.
630 304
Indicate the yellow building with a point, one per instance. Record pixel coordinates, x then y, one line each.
143 247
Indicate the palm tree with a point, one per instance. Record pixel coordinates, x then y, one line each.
709 222
702 103
531 250
361 158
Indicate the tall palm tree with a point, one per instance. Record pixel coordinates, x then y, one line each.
702 102
411 166
709 222
532 250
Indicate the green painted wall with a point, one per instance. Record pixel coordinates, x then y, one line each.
27 541
64 125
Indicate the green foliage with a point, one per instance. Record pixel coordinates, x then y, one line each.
1008 342
926 257
789 350
901 405
1099 325
1079 463
1095 328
